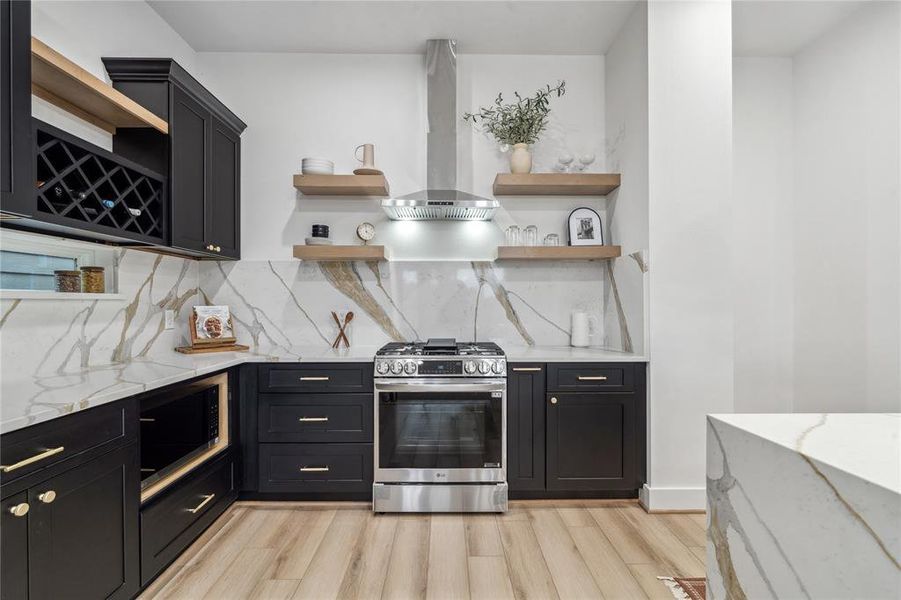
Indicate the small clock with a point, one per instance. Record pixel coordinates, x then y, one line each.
366 231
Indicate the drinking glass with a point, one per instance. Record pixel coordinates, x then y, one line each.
530 236
552 239
512 234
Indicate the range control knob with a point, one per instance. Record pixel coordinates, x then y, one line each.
469 367
484 368
410 368
498 367
396 367
381 367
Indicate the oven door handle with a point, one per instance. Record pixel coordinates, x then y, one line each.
434 385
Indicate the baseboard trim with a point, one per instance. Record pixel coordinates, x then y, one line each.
660 499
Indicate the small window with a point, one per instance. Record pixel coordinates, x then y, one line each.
28 260
27 271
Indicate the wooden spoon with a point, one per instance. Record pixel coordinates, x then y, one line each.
347 319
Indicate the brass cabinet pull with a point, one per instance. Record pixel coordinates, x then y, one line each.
19 510
529 369
313 419
32 460
47 497
592 378
210 247
206 500
314 378
147 420
553 401
218 248
314 469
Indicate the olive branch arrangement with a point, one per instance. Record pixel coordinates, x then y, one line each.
520 122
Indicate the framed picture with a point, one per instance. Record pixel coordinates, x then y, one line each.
585 228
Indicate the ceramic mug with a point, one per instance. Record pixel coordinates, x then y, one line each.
368 159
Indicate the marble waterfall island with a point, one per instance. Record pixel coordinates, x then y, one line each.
804 506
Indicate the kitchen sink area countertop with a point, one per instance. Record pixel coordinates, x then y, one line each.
800 505
29 400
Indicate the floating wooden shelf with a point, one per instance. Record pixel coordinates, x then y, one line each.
557 252
340 253
555 184
342 185
61 82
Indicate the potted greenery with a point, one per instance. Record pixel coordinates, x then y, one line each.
518 124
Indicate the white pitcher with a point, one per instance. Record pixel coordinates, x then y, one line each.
582 327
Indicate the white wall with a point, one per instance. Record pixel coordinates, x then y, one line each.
86 30
847 301
300 105
762 217
690 202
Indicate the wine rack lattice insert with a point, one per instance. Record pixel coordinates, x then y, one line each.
77 183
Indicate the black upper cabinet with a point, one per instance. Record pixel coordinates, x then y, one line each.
525 426
16 160
201 154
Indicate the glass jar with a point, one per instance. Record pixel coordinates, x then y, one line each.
512 234
530 236
552 239
68 282
93 280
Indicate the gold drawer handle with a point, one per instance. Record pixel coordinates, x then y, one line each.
314 469
32 460
47 497
313 419
527 369
19 510
314 378
592 378
206 500
147 420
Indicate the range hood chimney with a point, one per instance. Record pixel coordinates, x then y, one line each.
441 200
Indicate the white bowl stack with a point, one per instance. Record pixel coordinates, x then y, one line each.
317 166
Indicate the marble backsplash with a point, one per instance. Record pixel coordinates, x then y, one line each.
281 307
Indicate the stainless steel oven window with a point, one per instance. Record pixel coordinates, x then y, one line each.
440 432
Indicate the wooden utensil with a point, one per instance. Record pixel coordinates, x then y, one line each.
347 319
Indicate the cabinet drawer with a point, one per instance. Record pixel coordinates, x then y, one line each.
28 450
585 377
316 377
171 522
315 467
316 417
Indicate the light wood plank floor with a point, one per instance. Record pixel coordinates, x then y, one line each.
538 550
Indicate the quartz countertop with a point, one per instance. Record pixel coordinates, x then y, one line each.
804 505
28 400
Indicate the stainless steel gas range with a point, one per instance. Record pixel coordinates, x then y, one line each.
441 433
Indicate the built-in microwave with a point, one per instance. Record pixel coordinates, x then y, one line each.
179 426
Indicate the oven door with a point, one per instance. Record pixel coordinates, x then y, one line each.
440 431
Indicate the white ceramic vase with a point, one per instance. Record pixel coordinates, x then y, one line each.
521 159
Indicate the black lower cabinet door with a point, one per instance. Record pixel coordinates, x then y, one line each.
14 547
83 531
591 442
525 426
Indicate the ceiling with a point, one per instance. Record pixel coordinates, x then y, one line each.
781 28
377 26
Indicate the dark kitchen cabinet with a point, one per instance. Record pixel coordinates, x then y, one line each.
84 542
78 538
14 547
525 426
591 441
16 157
201 155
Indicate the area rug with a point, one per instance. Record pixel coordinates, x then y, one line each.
686 588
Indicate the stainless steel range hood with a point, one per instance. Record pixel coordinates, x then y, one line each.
441 200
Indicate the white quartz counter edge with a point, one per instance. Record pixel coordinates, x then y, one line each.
29 401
